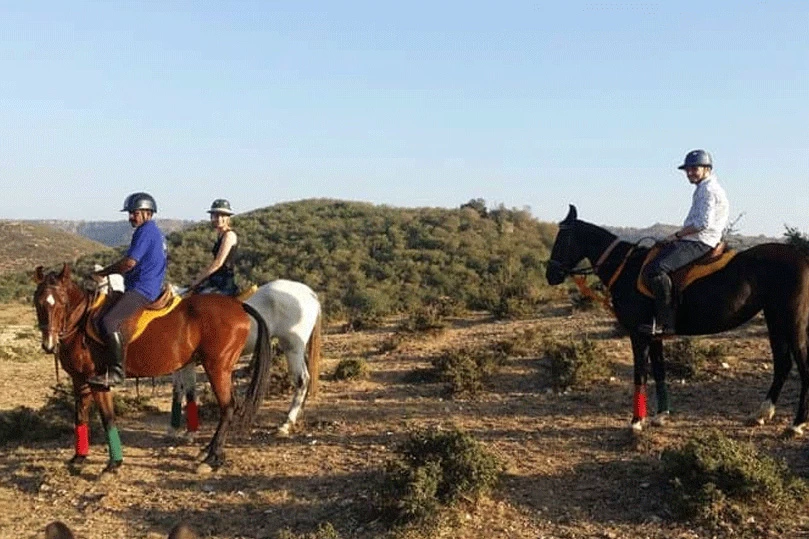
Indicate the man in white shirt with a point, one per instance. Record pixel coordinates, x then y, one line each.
701 231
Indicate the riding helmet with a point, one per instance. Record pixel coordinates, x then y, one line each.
140 201
220 205
697 158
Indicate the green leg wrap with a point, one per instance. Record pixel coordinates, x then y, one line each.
114 443
663 404
176 414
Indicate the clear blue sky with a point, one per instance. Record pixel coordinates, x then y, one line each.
404 103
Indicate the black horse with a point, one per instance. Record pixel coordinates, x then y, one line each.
772 277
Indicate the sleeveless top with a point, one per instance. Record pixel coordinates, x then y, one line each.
224 279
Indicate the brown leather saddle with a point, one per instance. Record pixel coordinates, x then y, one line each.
164 303
711 262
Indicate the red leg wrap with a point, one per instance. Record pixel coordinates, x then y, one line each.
192 417
640 402
82 440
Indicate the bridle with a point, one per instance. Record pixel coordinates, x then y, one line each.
593 268
69 321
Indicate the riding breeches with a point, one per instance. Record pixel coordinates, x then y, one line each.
129 303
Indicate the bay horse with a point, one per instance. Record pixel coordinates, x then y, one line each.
292 314
771 277
209 328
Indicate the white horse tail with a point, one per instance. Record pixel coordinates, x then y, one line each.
313 356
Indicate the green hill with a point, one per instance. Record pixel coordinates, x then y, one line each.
367 261
381 259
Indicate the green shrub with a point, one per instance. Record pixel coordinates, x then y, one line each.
523 343
686 358
433 469
351 368
574 362
466 371
716 479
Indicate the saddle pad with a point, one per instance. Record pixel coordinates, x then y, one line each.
687 275
147 315
246 293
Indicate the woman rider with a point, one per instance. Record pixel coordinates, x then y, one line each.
219 276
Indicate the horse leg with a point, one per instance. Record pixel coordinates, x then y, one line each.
184 383
222 388
81 422
105 405
801 415
661 389
300 379
782 363
640 355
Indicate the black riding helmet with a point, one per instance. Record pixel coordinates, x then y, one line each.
140 201
697 158
220 205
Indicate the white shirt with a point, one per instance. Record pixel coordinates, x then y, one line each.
709 212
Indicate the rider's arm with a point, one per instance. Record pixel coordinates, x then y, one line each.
121 266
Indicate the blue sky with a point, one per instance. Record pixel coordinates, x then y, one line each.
525 104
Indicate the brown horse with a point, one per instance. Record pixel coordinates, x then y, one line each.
211 329
772 277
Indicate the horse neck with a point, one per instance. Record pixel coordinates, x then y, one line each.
594 240
78 301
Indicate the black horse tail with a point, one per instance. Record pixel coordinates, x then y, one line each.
259 383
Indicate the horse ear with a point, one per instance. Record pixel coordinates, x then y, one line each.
39 274
571 215
65 273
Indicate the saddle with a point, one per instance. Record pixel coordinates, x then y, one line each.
164 304
711 262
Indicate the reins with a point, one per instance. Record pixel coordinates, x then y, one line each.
585 289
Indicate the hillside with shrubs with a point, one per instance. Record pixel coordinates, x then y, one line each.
367 261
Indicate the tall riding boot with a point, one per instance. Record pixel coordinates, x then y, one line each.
115 372
664 318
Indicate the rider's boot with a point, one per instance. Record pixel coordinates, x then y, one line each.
115 372
664 320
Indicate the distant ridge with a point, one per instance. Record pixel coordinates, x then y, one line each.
660 230
112 233
26 244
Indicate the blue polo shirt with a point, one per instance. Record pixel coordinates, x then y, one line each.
148 249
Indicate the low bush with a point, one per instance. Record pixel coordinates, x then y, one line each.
686 358
351 368
574 362
722 482
433 469
467 370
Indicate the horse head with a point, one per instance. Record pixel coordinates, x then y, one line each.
53 302
565 254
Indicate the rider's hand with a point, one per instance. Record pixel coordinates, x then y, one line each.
97 277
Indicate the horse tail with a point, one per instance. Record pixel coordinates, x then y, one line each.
259 383
313 356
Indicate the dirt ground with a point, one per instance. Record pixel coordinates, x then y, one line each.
573 469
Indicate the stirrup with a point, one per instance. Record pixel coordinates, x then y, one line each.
656 330
105 381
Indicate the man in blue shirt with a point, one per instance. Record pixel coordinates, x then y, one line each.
701 232
144 268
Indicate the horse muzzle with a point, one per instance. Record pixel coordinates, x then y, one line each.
556 273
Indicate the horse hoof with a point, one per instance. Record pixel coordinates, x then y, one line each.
755 421
661 419
637 426
174 434
283 431
795 431
204 469
110 470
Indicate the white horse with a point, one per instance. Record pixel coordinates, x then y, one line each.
293 316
